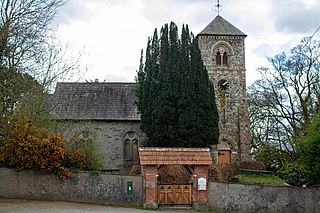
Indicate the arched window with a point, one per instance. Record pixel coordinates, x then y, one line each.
225 58
218 58
222 54
131 145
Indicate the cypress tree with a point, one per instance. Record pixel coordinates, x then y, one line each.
175 96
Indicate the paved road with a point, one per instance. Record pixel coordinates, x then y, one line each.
24 206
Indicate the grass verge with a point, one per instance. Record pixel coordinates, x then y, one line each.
263 179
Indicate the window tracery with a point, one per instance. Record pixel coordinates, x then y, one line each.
83 140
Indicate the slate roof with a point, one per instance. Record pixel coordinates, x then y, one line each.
174 156
94 101
220 26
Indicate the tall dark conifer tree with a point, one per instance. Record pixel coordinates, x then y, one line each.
176 99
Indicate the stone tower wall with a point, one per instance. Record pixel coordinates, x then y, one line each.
232 103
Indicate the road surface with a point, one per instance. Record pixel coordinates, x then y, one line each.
25 206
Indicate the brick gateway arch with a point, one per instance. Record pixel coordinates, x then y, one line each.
196 160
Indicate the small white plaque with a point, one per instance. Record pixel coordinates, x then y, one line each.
202 184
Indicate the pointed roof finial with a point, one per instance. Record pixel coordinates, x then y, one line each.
218 7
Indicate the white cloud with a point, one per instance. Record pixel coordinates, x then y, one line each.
113 32
299 19
110 37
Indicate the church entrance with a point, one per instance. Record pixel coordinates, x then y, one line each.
224 156
224 152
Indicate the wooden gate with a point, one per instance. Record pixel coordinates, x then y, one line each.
175 194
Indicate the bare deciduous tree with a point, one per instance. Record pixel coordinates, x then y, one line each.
25 29
31 59
285 100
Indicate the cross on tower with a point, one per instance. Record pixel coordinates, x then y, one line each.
218 7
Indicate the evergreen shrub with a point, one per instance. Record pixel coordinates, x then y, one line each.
295 174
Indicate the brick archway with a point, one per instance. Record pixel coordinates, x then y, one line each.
196 160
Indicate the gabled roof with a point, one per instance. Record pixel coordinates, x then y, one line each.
94 101
174 156
220 26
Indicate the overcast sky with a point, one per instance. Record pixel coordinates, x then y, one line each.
113 32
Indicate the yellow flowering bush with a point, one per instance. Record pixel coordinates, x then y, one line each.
25 146
75 157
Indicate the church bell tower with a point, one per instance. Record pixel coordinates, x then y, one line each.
223 53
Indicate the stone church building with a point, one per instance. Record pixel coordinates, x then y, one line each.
103 114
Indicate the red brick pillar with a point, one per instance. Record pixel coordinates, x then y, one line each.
150 174
200 188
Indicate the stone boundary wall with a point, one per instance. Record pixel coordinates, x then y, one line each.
100 188
86 187
241 198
